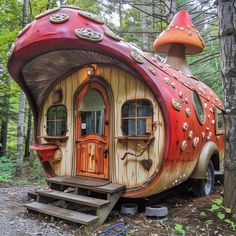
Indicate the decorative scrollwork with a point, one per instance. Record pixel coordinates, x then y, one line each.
91 16
47 12
59 18
112 35
137 56
88 34
23 30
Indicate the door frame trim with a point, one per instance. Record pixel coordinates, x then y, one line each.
111 162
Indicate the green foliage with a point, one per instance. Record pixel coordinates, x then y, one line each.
7 170
214 207
32 172
179 229
223 213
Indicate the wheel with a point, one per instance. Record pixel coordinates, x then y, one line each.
204 187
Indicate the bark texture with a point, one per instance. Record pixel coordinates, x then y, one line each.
227 17
20 126
5 120
28 134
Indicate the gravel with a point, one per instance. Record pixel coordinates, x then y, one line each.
15 221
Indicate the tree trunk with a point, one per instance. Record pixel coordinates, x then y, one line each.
28 135
227 17
5 119
120 17
20 135
20 127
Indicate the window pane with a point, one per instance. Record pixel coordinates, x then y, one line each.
61 113
141 127
100 122
51 128
129 127
92 101
51 114
198 107
134 110
128 109
60 128
57 120
92 113
144 108
220 119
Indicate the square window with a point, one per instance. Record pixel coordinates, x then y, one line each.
57 120
137 118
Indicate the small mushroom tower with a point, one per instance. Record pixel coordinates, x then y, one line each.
178 40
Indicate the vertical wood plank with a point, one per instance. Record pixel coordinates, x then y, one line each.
124 87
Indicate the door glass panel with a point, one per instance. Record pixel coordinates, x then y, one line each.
92 113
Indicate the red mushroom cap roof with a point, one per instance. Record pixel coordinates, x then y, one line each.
64 39
180 31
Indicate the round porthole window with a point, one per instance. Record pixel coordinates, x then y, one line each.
198 107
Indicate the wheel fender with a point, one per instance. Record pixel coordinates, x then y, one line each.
208 150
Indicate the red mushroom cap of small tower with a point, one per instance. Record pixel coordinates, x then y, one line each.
180 31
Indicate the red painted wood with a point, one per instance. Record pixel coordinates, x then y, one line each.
46 152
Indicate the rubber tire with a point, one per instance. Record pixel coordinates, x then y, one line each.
199 186
156 210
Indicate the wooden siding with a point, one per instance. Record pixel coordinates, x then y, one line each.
123 87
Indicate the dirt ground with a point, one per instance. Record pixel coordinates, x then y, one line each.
188 215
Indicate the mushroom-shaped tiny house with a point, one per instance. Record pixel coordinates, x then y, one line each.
115 113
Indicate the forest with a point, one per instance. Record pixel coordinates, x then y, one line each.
139 22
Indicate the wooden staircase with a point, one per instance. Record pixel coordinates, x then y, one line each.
74 206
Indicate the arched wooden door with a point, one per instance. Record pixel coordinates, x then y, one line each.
92 133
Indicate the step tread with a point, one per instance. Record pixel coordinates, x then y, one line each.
109 188
62 213
89 201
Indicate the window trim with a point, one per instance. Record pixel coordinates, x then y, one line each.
57 105
136 117
195 109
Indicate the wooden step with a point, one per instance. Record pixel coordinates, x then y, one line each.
70 197
109 188
62 213
32 194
